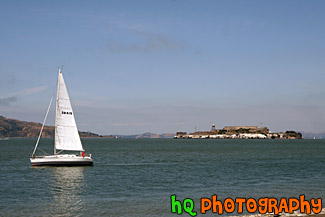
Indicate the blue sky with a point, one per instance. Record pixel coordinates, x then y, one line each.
166 66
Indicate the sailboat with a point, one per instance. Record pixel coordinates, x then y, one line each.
66 135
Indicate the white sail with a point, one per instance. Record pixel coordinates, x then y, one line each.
66 132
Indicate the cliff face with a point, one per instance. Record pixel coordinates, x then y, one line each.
16 128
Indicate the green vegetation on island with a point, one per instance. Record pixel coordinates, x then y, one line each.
239 132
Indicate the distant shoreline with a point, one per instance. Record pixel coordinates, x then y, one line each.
10 128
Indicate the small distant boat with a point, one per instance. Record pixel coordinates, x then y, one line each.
66 135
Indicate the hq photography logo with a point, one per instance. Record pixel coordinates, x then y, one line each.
261 205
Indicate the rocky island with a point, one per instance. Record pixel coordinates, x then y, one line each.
239 132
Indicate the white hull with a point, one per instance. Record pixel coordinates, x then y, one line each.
61 160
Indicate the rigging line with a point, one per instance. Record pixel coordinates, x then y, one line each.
43 151
40 134
48 109
56 111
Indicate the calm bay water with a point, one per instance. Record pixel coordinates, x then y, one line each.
135 177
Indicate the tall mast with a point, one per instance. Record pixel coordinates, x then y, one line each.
57 109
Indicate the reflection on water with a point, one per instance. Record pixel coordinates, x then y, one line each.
66 187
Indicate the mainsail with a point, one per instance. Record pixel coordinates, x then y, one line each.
66 132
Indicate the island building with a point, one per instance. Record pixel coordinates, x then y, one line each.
238 132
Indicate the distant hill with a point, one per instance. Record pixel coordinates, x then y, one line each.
16 128
155 136
149 135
